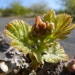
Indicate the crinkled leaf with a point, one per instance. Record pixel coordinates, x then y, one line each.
8 33
19 31
62 21
54 54
62 26
20 46
50 16
17 28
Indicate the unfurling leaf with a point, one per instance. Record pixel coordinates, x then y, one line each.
18 31
54 54
20 46
63 26
50 16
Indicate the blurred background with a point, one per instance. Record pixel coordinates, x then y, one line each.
29 9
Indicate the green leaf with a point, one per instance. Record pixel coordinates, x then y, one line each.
62 26
50 16
20 46
62 21
8 33
54 54
18 28
18 31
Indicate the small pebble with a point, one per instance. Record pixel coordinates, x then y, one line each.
3 67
